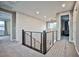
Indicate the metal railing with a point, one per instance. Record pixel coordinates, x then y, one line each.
39 41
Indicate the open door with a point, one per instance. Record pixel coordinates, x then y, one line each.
65 26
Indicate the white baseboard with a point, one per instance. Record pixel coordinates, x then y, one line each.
76 49
14 40
75 46
71 41
54 41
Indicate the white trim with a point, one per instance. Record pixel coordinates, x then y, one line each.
11 27
71 41
59 24
76 49
54 36
74 26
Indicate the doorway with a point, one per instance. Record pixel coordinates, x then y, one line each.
2 28
4 25
65 27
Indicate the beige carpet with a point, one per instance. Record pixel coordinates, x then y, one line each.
61 48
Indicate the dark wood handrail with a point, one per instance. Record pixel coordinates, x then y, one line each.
33 31
51 31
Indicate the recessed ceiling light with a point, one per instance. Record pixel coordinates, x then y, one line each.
63 5
37 12
45 16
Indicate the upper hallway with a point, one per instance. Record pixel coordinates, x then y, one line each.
36 16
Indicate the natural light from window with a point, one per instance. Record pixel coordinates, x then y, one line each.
2 24
52 26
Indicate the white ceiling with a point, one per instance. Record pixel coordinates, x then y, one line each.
4 16
46 8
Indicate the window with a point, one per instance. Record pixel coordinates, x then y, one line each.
2 25
52 26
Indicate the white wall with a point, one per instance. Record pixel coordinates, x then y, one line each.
28 24
59 26
13 26
76 26
74 23
71 26
8 27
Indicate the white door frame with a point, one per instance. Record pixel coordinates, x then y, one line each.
10 12
11 27
59 24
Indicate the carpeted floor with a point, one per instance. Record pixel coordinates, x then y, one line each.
61 48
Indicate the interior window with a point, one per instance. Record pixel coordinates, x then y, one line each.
2 26
52 25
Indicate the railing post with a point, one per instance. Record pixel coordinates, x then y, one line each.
44 42
56 36
31 39
34 43
53 34
41 44
23 37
